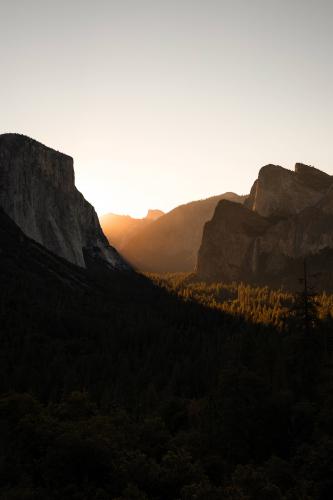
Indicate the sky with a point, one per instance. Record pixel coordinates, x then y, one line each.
161 102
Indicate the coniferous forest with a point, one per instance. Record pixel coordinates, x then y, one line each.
125 386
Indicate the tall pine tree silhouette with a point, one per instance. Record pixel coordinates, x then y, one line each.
304 309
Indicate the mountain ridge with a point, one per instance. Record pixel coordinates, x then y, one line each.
120 228
171 243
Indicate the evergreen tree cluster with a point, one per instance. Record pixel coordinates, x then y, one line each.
162 388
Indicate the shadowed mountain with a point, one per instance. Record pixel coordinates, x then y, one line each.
38 192
287 218
23 257
171 243
120 228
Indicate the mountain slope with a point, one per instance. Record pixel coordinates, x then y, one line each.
171 243
37 191
120 228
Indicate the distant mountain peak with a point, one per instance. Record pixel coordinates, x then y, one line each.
154 214
120 228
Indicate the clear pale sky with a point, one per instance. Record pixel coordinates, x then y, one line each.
161 102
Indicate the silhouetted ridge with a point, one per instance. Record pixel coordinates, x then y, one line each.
14 140
121 228
313 177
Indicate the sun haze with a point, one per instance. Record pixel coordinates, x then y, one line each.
162 102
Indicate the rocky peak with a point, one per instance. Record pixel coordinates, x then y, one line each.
53 166
240 244
279 192
313 177
37 191
154 214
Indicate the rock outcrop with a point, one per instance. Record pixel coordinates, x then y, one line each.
279 192
171 243
37 191
229 243
287 217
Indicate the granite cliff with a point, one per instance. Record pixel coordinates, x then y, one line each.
287 217
37 191
279 192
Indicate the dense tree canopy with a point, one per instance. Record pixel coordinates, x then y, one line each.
162 388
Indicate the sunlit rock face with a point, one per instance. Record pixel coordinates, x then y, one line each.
279 192
287 217
37 191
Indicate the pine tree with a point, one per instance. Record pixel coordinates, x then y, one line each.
303 313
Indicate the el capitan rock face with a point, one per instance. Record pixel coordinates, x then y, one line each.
266 240
38 193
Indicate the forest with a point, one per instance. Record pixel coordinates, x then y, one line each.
160 387
254 303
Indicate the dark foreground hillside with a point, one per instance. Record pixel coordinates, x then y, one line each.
113 387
